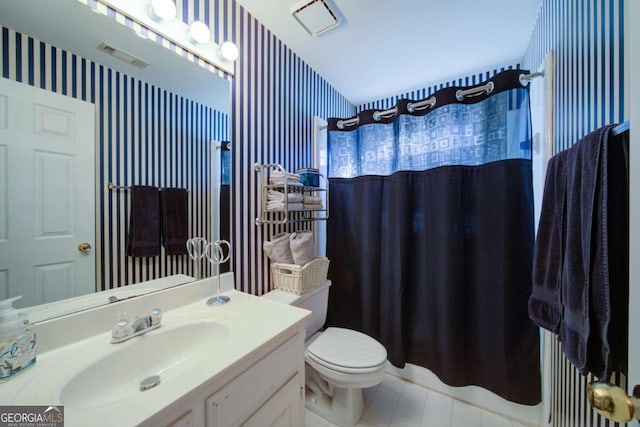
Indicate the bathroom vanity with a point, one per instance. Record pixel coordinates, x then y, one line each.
237 364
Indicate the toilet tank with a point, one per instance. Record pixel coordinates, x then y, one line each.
316 301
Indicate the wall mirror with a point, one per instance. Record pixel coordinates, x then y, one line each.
162 123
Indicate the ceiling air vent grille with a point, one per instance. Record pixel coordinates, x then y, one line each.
122 55
316 17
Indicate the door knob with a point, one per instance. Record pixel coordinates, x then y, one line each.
613 402
85 248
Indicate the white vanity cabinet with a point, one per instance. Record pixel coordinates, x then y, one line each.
237 364
267 389
262 386
281 410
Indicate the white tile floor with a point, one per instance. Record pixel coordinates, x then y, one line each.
398 403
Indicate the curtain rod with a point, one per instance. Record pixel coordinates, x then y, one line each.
524 78
431 102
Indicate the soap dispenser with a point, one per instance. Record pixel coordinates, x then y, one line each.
17 340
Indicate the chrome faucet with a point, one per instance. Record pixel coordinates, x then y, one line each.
123 329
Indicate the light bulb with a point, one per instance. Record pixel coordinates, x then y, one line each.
229 51
199 32
162 10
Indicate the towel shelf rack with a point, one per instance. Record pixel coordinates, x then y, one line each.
287 215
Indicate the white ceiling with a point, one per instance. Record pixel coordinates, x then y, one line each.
383 48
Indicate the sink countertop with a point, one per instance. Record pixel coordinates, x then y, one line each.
251 323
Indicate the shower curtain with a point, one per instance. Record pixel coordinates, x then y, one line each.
431 236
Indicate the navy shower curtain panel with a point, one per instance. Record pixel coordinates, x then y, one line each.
435 261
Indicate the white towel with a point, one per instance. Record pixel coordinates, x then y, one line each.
278 249
277 177
281 175
278 196
311 199
278 206
314 206
302 247
290 183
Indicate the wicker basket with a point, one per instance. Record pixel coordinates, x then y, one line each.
299 279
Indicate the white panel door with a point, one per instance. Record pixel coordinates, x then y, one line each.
47 162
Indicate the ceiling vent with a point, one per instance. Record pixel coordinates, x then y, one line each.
122 55
315 16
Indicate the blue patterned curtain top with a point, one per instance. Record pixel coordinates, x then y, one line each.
471 132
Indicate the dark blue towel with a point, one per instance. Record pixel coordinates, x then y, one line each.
545 305
143 237
585 278
581 251
175 220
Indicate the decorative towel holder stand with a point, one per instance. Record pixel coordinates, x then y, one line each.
196 248
215 255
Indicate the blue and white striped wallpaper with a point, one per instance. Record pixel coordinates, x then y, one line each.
274 97
144 135
587 38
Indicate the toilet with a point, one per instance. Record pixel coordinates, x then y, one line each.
339 362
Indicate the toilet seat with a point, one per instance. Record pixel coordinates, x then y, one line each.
347 351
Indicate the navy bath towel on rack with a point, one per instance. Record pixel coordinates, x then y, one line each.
545 305
175 220
143 238
580 252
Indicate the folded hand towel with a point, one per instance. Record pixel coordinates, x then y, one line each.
302 247
311 199
277 177
281 175
277 206
143 237
175 220
278 249
316 206
279 196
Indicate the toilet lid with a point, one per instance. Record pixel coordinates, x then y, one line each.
347 348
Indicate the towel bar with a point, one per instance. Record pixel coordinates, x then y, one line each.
113 187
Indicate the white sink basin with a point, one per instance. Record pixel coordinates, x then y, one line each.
167 352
